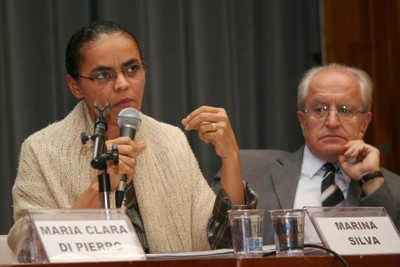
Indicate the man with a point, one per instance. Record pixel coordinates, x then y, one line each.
334 103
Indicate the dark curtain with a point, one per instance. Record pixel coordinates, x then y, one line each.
245 56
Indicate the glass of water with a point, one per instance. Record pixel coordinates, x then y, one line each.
288 226
247 232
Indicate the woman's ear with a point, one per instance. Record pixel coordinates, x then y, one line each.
74 86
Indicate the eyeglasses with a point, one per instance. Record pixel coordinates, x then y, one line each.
106 76
320 111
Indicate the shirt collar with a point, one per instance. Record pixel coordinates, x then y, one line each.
311 163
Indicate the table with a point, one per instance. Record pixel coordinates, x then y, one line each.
389 260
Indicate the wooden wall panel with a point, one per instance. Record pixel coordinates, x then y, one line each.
366 34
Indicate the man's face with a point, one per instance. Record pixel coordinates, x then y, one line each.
327 134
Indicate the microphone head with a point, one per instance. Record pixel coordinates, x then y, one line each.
129 117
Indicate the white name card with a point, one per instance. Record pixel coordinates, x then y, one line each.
88 241
360 235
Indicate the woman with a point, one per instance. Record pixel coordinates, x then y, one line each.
168 200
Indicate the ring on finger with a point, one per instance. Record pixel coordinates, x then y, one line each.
213 127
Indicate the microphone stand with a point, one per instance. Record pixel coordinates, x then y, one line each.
100 153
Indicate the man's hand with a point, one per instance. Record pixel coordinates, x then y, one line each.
359 159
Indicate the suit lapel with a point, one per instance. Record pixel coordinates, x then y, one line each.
285 178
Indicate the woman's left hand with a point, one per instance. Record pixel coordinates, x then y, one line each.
214 127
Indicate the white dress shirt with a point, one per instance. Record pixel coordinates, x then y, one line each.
308 191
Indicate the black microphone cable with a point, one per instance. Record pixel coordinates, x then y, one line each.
342 260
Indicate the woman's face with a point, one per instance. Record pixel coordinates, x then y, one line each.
110 55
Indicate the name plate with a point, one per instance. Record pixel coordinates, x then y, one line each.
90 237
357 233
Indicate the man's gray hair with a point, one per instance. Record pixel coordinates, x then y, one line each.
363 78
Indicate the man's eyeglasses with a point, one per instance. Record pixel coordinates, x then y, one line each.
106 76
320 111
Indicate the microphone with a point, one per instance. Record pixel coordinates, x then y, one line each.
128 121
100 129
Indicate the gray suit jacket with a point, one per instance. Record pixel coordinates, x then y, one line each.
274 175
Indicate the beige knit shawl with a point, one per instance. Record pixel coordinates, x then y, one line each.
174 198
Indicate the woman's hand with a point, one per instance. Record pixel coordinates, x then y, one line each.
214 127
128 151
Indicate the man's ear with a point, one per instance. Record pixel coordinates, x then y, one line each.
300 117
365 122
74 86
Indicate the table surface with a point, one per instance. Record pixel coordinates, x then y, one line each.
386 260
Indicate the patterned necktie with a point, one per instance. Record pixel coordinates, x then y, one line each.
331 194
